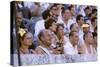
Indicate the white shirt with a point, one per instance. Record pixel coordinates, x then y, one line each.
38 27
81 33
92 49
67 27
69 49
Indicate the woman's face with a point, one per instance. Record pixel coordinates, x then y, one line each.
54 26
61 31
27 39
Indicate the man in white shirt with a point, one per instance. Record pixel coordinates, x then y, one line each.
71 47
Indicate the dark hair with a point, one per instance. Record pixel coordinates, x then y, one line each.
71 6
95 29
58 25
46 14
78 17
71 26
49 22
54 5
94 34
40 34
94 10
85 34
86 8
93 19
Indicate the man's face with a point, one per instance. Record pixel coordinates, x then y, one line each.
75 38
27 39
54 26
88 11
47 39
95 22
81 21
66 15
19 18
86 29
55 11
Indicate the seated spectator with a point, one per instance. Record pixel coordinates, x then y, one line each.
25 39
60 34
72 47
45 41
61 38
88 43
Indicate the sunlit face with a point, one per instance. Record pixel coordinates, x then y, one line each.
86 29
27 39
